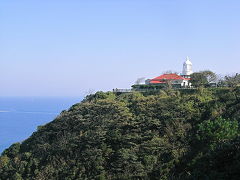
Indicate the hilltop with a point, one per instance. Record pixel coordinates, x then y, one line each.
169 134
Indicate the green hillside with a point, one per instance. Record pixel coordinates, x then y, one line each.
187 134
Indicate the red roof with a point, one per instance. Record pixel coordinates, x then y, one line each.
164 77
157 82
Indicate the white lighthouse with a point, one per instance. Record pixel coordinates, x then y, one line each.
187 68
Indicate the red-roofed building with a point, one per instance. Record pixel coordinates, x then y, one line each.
169 79
174 79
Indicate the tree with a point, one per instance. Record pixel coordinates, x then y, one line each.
164 135
198 79
140 80
203 78
232 81
168 83
170 72
211 76
217 130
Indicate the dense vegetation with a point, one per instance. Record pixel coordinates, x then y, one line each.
187 134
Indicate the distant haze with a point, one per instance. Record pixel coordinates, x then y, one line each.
71 48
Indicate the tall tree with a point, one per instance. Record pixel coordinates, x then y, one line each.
232 81
203 78
140 80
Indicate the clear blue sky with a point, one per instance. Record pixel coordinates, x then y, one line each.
67 47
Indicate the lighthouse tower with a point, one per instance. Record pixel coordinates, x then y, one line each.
187 68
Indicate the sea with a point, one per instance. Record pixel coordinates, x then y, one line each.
20 116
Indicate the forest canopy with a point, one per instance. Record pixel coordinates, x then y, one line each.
169 134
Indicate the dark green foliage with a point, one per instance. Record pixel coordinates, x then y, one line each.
221 163
217 130
203 78
187 134
231 81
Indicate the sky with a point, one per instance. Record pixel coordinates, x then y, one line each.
75 47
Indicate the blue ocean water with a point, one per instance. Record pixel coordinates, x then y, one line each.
20 116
